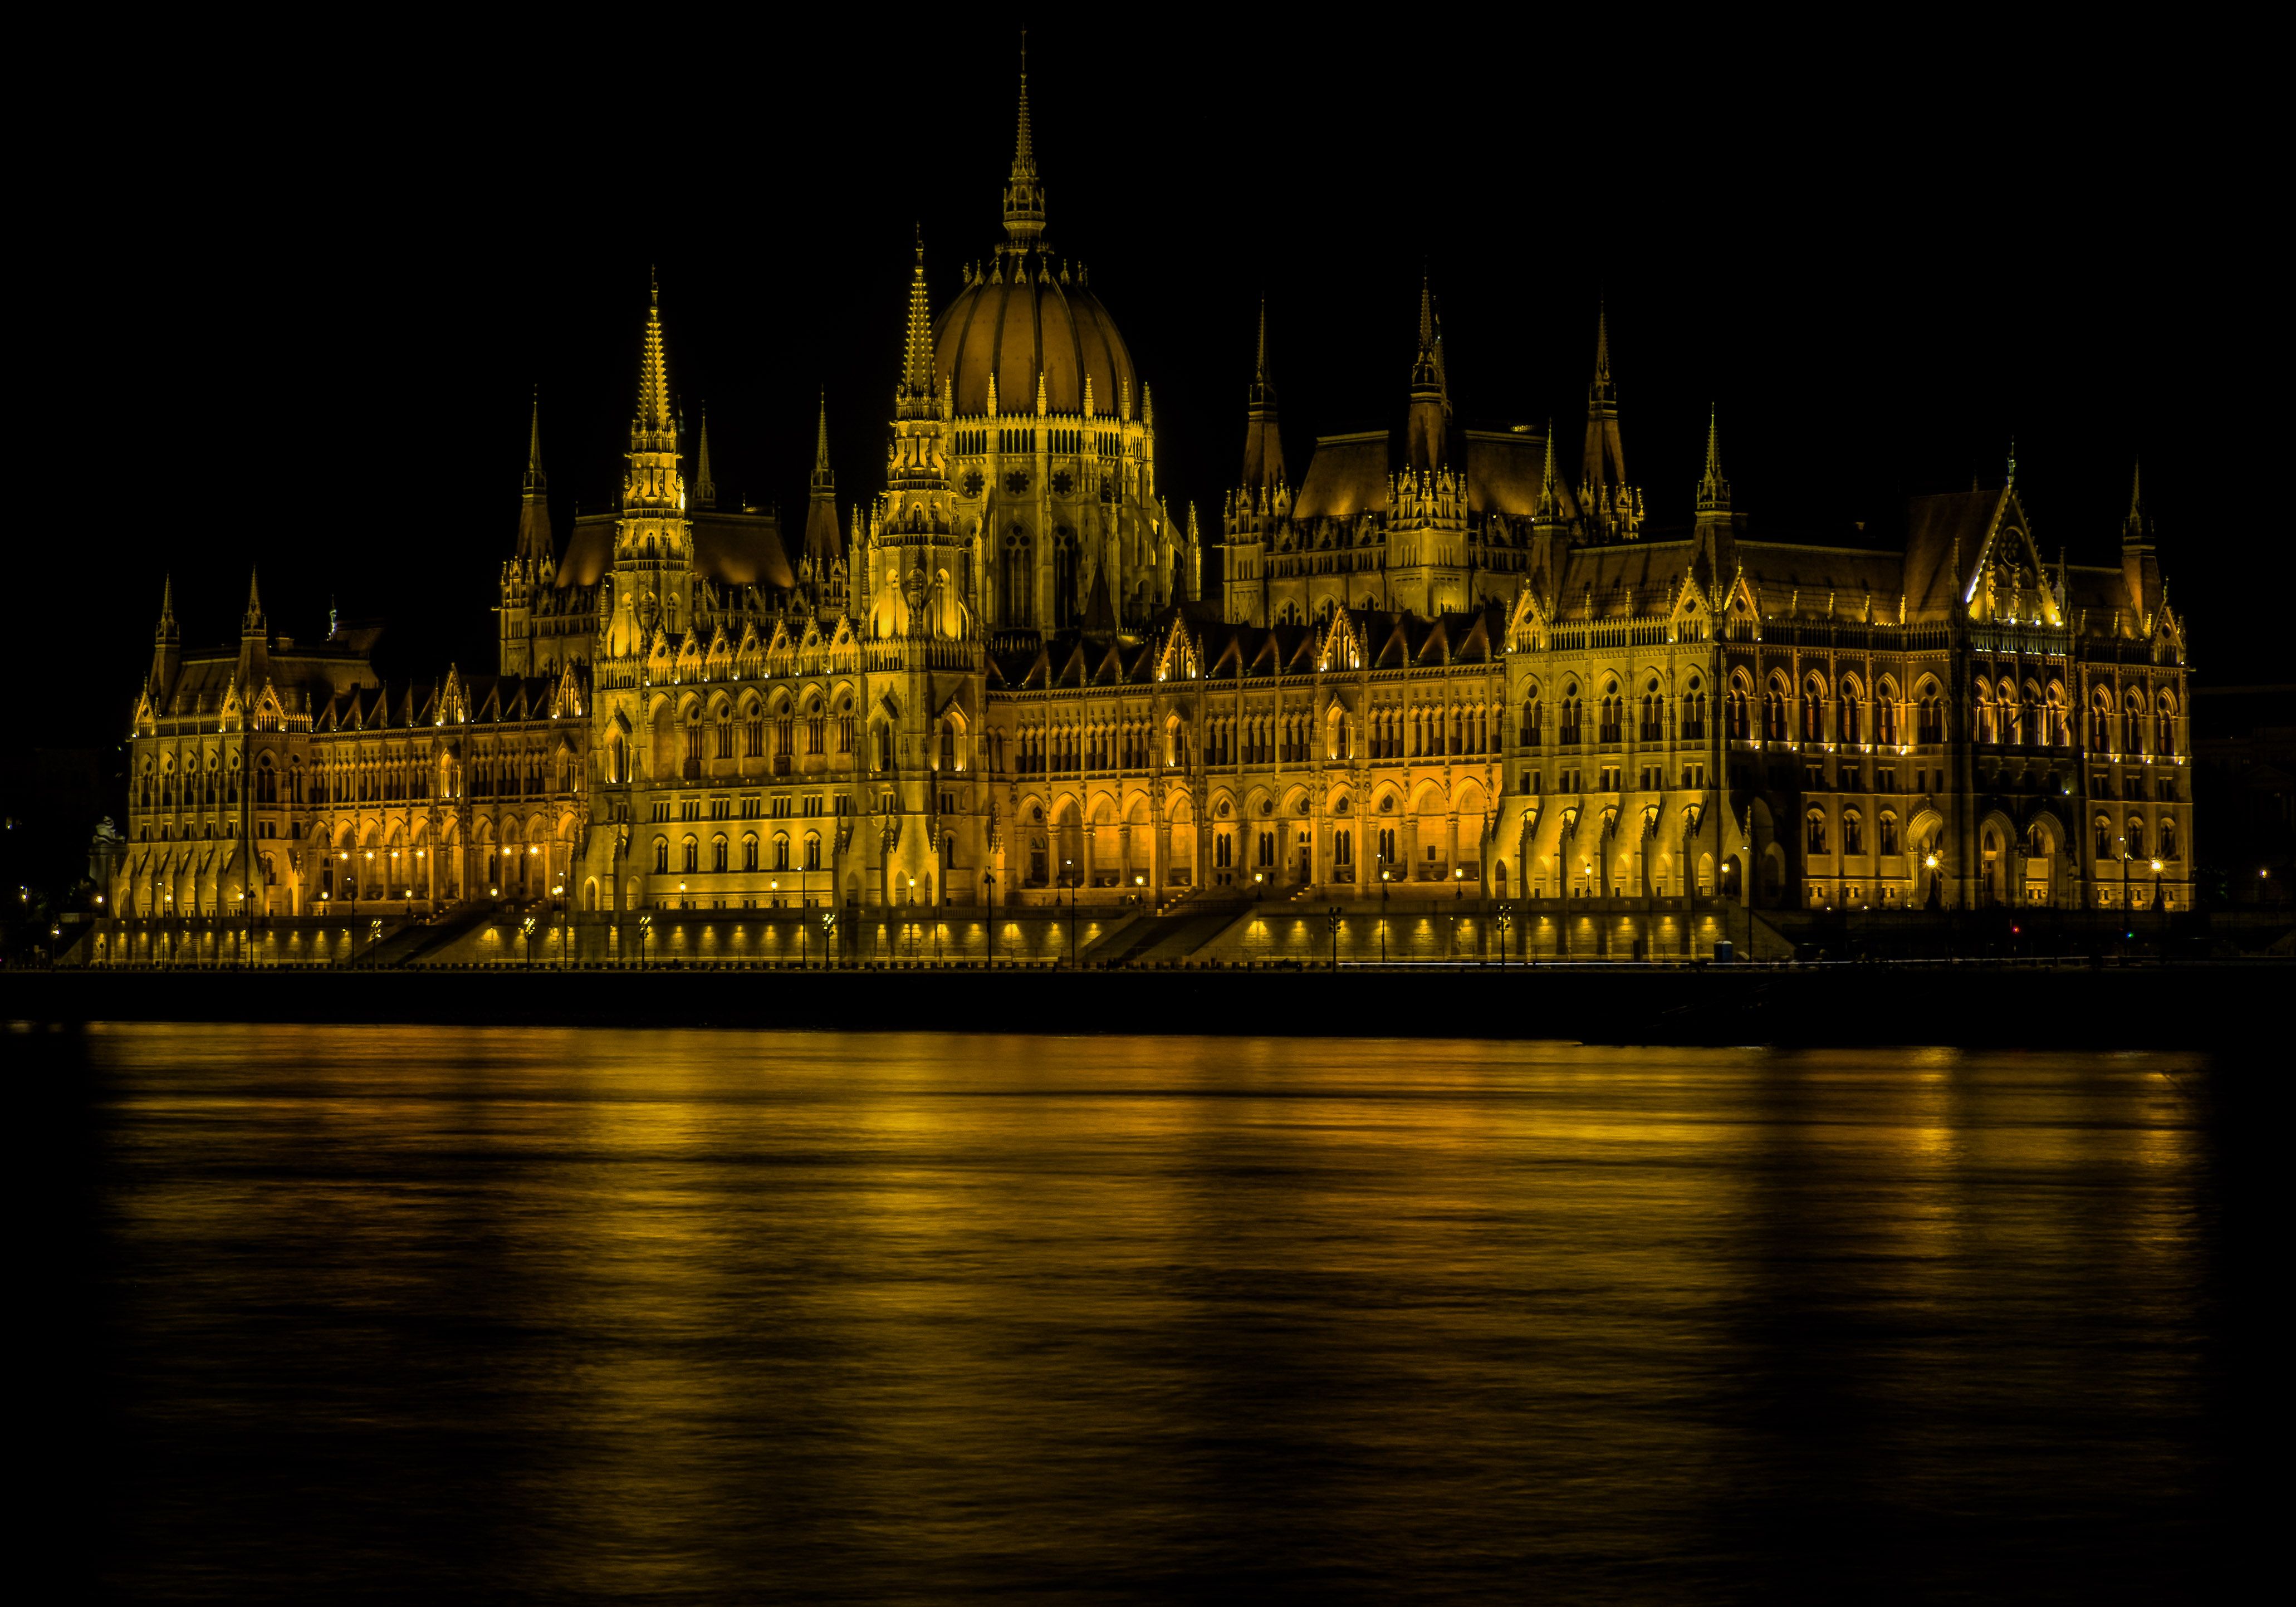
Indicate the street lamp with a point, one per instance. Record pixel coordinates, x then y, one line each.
909 921
1332 920
828 936
1382 910
1070 867
526 926
1505 918
645 931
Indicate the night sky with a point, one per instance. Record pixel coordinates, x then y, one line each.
296 320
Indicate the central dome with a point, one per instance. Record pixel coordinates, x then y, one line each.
1022 318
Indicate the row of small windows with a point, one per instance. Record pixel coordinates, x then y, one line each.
721 853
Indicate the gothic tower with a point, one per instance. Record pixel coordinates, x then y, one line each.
1613 509
1257 506
653 544
924 647
532 565
1427 566
820 566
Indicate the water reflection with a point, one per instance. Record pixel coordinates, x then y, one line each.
912 1317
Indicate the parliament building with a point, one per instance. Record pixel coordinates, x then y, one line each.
1454 670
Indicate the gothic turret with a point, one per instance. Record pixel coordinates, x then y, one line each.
166 644
1431 401
1612 508
534 544
705 487
652 587
254 643
2140 565
1716 526
1263 443
822 546
1024 192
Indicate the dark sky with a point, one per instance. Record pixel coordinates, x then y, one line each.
293 317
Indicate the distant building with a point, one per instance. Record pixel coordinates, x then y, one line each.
1455 662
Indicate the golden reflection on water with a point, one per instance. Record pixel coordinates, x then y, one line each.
903 1316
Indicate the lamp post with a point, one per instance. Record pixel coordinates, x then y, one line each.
1069 867
2160 909
526 926
989 897
645 931
1459 892
1505 918
828 936
2127 915
1334 921
909 919
1382 911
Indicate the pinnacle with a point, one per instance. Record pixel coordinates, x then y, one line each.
535 480
917 357
1602 341
653 412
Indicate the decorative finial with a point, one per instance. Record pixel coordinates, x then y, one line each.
2013 460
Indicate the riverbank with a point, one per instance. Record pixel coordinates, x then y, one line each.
2166 1006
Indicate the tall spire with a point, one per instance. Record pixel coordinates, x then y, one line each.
914 394
252 619
1604 497
823 479
1550 494
1263 442
705 489
166 606
535 480
654 429
2136 529
1024 195
1428 428
821 537
1713 490
534 544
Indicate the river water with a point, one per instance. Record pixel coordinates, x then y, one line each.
680 1315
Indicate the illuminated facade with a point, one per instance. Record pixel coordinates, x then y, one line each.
1449 664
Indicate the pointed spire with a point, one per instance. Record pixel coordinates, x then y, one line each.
1713 490
1024 196
654 428
1263 440
535 480
253 618
167 605
534 543
1428 429
1550 494
914 395
1604 494
821 542
705 489
2013 460
2136 529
